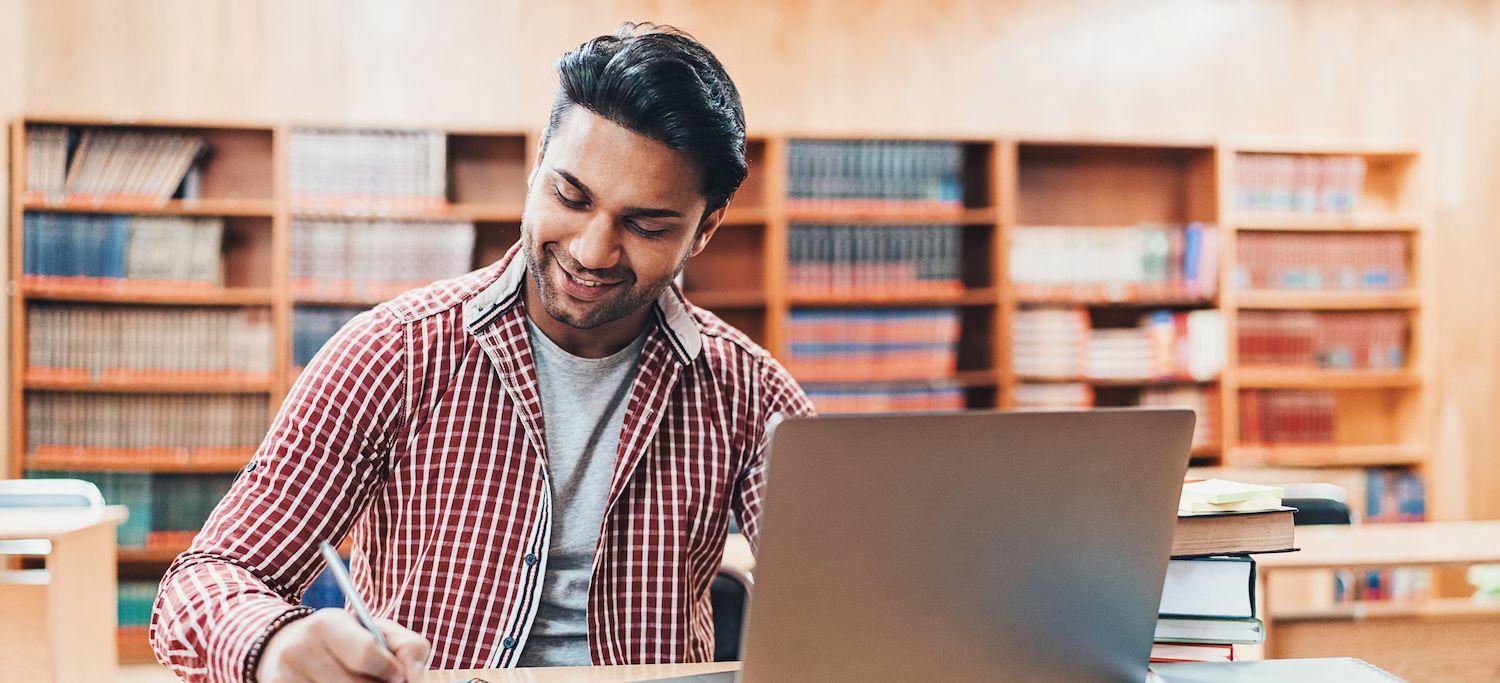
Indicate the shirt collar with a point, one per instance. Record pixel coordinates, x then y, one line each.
673 314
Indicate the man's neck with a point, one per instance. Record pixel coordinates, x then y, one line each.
599 342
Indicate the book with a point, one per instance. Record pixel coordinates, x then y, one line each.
1247 631
338 169
1299 182
873 398
100 343
1191 652
1051 342
1321 262
1365 340
1232 533
127 164
1287 416
1219 495
874 260
1114 263
856 345
1209 588
874 175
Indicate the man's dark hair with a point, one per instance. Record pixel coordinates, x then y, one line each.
660 82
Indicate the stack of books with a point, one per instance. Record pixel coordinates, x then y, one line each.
1288 182
1208 599
120 343
865 398
1287 417
866 260
386 170
1125 263
111 163
111 250
874 175
376 259
165 509
855 345
1329 262
313 327
1166 345
108 430
1373 340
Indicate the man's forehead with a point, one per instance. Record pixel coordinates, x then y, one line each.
618 164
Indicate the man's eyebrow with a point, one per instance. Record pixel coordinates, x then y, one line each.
635 211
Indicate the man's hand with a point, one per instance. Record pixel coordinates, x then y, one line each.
330 645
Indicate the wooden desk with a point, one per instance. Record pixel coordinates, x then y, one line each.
1439 639
58 623
584 674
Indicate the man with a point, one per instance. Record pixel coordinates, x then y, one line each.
537 461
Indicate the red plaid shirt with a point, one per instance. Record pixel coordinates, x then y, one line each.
418 428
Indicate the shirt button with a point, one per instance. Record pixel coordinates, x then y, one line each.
531 559
509 642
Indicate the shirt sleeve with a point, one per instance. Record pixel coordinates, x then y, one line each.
315 473
780 397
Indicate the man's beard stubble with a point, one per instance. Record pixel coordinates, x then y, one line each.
630 300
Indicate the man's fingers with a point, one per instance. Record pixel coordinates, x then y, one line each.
355 648
409 647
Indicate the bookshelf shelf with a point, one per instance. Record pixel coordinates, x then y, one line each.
1327 301
161 554
1432 608
1327 455
476 212
711 300
1116 382
177 460
128 292
1326 222
963 378
970 217
1033 299
745 217
340 302
1205 450
225 208
143 384
973 297
1315 378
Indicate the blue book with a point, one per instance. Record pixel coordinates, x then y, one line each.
31 236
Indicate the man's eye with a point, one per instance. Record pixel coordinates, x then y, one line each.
561 199
643 231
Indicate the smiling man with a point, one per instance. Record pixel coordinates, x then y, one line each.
537 461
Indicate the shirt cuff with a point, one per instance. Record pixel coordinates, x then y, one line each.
251 657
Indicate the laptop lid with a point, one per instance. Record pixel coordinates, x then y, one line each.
1021 546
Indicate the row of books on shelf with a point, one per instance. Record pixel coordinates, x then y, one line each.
866 260
314 326
376 258
1204 402
874 174
91 342
124 425
1208 602
1326 262
873 344
163 507
1287 417
1374 340
334 168
1062 343
83 247
1115 262
1299 182
106 162
865 398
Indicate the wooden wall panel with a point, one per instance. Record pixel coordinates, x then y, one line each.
12 88
1424 71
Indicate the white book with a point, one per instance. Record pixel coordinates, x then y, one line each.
1215 587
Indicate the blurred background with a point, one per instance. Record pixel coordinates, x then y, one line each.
1279 213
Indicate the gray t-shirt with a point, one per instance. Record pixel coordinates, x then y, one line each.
583 411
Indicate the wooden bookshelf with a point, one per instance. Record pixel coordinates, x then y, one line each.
1382 418
1008 183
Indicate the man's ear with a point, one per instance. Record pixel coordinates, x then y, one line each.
706 229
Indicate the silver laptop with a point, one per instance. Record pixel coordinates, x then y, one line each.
968 546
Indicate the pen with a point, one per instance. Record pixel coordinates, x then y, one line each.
341 576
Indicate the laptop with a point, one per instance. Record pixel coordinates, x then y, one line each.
965 546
